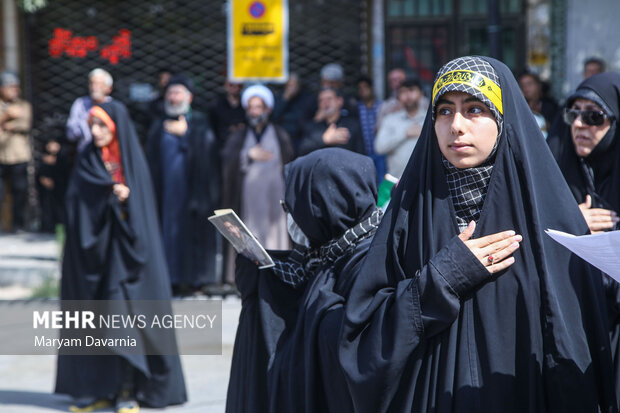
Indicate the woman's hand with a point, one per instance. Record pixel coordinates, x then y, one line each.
598 219
494 251
121 191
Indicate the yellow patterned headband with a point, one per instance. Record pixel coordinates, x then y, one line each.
483 84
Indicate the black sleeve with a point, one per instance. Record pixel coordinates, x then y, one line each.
311 140
430 301
384 328
448 277
357 140
612 298
280 107
215 171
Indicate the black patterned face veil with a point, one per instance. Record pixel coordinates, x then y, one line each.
331 197
468 187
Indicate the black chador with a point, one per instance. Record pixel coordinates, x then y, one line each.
597 175
113 251
187 167
429 329
285 356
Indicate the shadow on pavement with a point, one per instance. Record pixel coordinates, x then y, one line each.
14 398
30 257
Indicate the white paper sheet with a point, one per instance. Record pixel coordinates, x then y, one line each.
601 250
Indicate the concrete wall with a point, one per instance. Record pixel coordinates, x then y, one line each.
10 43
592 29
378 47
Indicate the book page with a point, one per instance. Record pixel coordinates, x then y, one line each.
601 250
245 243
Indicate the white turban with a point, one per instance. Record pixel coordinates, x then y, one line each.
259 91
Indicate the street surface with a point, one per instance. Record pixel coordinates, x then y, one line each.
28 261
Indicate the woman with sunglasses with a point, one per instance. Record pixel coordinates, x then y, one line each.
586 148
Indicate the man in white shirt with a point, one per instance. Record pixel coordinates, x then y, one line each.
396 77
400 130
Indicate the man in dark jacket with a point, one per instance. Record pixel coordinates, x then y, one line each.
291 107
226 113
183 159
331 127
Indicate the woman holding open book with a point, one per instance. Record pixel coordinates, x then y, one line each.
288 329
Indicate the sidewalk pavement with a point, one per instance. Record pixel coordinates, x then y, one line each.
27 382
27 261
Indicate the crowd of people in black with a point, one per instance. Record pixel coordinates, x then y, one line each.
454 300
230 156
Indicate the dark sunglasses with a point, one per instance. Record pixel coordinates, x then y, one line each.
284 207
589 117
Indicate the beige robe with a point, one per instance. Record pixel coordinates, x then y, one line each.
262 190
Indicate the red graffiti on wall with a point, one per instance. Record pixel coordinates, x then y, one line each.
120 47
63 42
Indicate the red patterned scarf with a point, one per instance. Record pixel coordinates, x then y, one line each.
111 153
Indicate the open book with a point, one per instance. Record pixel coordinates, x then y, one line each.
244 242
601 250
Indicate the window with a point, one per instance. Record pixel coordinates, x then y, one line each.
415 8
422 35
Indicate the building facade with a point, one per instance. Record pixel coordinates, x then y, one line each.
56 45
65 39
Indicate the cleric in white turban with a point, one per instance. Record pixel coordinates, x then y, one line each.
260 91
253 179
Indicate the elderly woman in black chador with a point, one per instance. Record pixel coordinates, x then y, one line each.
286 346
498 317
113 251
586 147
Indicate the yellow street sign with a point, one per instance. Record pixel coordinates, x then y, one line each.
258 40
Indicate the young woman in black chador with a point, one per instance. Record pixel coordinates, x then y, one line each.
443 317
286 345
